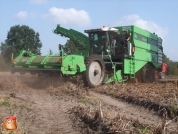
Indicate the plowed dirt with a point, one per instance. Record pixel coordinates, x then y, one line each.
43 106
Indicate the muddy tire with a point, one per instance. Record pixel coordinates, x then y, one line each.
95 71
148 74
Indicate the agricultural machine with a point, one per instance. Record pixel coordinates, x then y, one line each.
104 55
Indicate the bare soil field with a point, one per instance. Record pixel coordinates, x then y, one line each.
54 106
154 96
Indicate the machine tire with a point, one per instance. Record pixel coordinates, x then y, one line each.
148 74
95 71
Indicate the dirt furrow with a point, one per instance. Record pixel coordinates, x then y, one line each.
45 115
44 109
51 115
143 115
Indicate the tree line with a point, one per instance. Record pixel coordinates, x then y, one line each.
24 37
172 66
18 38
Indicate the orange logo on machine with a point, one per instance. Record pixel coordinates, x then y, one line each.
10 123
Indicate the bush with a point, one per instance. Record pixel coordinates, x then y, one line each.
3 65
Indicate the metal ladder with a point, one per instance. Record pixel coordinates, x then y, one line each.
132 67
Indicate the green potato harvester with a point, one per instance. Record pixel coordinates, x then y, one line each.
104 55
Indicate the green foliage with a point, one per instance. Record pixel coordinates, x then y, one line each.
70 47
24 106
85 100
145 131
6 103
173 108
112 93
172 66
18 38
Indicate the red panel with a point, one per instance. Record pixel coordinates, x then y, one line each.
164 67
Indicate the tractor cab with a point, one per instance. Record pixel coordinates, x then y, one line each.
109 43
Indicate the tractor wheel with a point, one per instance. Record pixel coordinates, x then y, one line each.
95 71
138 77
148 74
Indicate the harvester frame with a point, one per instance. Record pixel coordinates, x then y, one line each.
104 56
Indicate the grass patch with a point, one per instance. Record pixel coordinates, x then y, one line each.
85 100
112 93
5 103
173 110
89 99
24 106
145 131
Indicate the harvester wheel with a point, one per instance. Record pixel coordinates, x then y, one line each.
148 74
95 71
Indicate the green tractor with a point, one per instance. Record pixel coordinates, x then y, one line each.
106 55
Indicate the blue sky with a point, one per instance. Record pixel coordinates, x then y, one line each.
159 16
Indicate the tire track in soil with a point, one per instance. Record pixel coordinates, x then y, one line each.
143 115
48 114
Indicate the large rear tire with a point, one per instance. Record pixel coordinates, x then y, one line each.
95 71
148 74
